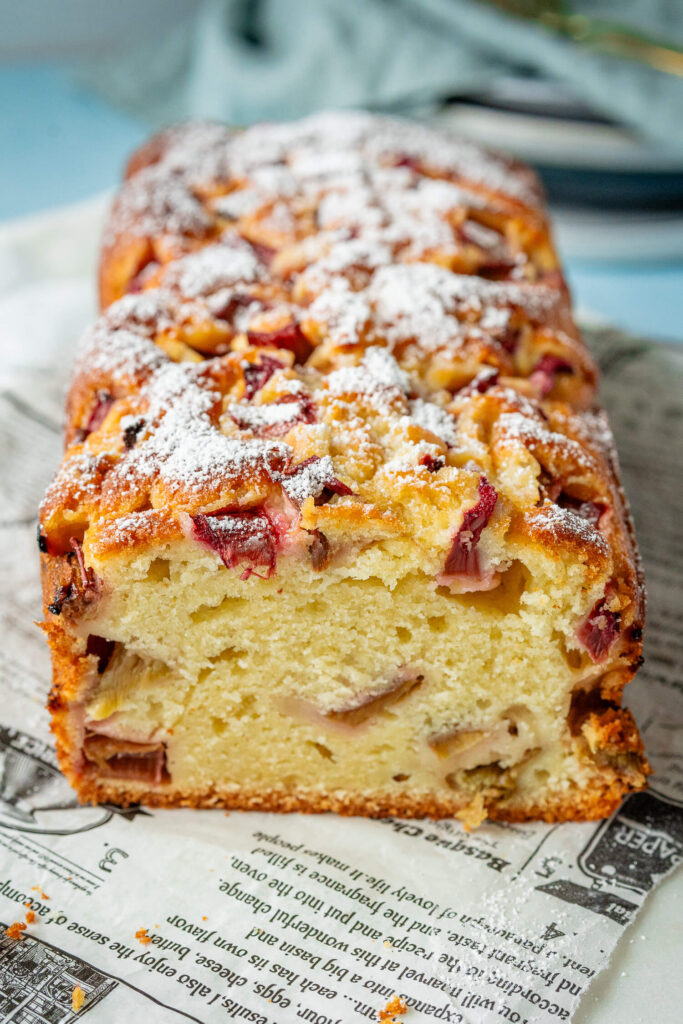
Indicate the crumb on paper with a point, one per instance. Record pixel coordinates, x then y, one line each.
30 916
15 930
396 1007
473 813
142 936
387 943
77 998
204 917
44 896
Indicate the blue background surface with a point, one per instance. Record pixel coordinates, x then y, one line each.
61 144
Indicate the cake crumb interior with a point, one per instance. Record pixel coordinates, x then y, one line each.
367 675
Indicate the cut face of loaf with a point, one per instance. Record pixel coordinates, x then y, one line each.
367 687
338 526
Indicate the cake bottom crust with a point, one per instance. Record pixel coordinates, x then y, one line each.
599 801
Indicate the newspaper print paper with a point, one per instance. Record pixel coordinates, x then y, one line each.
261 918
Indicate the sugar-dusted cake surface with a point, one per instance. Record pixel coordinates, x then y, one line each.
339 524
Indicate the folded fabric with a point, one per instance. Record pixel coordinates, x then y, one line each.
248 60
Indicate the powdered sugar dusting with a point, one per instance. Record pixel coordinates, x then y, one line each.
144 313
309 481
256 417
384 369
155 202
344 312
377 373
81 474
330 153
413 302
393 203
530 430
120 354
187 448
213 268
563 522
433 418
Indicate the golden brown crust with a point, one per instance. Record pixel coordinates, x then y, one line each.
601 799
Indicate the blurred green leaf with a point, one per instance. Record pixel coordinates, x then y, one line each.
607 37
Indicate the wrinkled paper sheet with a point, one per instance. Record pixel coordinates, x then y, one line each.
266 918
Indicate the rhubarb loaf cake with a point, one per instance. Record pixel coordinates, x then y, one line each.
339 523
